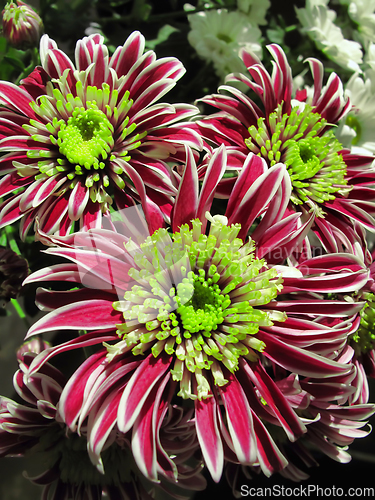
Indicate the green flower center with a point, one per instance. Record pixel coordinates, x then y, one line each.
311 155
363 340
197 298
87 138
225 38
354 123
204 311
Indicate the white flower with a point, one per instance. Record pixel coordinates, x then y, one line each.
362 13
358 130
255 10
218 35
370 55
318 22
369 59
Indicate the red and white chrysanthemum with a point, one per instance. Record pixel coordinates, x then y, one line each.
195 314
338 411
334 410
352 241
74 136
35 428
326 178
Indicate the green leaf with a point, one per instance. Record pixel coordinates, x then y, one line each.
3 44
15 62
276 36
141 10
163 34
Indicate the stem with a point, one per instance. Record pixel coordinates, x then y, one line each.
20 312
12 240
34 62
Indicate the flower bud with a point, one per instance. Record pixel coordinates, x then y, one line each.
22 27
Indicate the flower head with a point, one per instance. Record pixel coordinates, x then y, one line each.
297 132
362 13
355 131
77 135
217 36
318 21
206 315
22 27
334 414
35 428
255 11
194 315
361 341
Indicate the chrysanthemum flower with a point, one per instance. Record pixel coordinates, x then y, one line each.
334 413
318 21
362 12
356 128
325 177
361 342
338 413
194 314
35 428
218 35
363 339
73 136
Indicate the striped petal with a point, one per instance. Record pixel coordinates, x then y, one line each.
139 387
299 360
239 418
78 201
144 433
85 315
208 434
277 402
215 170
184 212
16 99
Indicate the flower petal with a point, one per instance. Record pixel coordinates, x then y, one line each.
138 389
239 418
299 360
184 212
209 436
84 315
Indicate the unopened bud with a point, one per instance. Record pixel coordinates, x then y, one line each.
22 27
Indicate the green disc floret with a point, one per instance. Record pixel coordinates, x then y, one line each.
310 152
204 310
84 136
197 298
316 168
86 139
